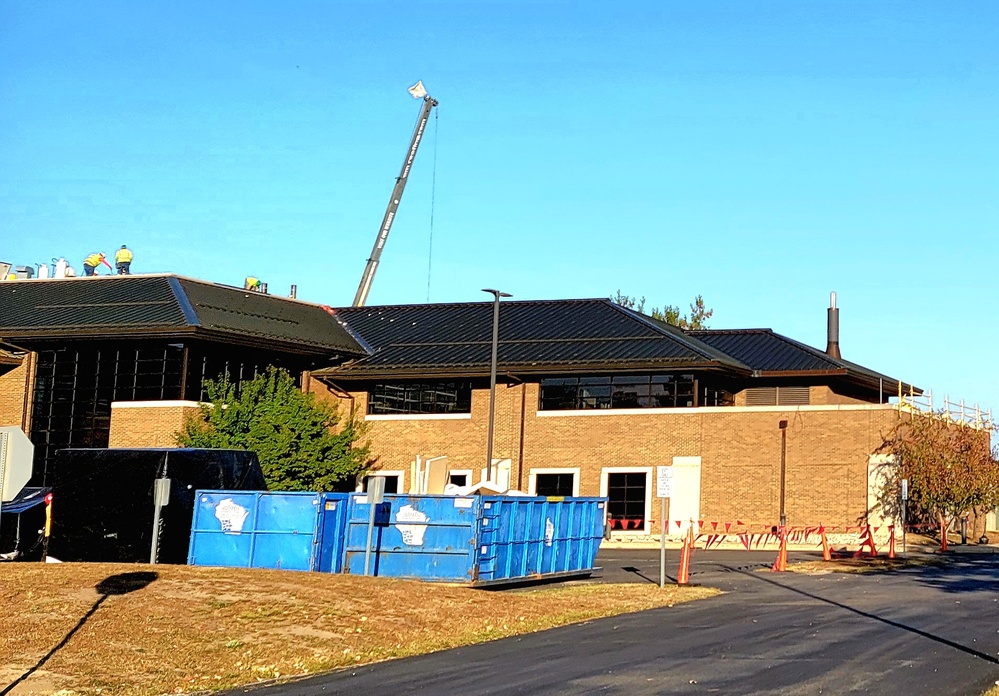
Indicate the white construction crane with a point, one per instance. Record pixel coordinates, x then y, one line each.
419 92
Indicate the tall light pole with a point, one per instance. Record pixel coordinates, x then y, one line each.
783 469
492 379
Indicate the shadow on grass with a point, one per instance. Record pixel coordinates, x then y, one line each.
119 584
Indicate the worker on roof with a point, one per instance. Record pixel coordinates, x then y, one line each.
123 260
252 284
91 263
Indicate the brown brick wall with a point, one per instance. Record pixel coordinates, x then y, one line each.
15 393
817 396
395 444
827 451
826 396
147 425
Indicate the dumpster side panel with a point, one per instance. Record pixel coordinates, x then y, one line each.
427 538
254 530
523 538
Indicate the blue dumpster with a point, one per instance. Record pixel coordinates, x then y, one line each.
478 540
255 530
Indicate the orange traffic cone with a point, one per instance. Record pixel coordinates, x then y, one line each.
891 541
780 565
683 575
826 553
867 540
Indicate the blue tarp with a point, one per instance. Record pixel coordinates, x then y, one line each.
25 500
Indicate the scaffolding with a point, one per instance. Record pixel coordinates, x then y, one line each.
951 411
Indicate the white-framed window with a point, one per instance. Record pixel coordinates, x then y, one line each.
394 481
629 492
553 481
459 477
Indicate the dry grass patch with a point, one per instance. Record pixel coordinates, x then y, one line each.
859 565
196 629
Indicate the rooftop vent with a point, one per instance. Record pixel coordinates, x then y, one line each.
832 332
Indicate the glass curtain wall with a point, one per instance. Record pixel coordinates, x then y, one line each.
76 384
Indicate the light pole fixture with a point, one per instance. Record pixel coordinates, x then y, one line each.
492 379
783 469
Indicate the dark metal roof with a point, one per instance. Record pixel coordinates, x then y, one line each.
535 336
770 354
167 305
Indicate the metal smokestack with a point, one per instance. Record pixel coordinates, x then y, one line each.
294 292
832 329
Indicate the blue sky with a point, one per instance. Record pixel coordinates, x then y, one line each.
761 154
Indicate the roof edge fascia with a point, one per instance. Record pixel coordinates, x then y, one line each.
352 373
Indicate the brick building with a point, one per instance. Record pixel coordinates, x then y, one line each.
591 397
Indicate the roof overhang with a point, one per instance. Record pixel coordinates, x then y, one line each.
10 357
33 338
874 383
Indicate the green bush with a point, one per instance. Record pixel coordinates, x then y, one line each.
303 444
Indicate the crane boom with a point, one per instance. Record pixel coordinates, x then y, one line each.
393 206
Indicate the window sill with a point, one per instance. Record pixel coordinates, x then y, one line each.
696 410
416 416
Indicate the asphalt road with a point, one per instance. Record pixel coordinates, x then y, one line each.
917 631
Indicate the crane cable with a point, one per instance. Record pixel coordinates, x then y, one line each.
433 192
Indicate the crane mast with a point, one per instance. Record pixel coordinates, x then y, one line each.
400 185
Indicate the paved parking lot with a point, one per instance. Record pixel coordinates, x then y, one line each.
930 630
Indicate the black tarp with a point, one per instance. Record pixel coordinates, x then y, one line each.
103 499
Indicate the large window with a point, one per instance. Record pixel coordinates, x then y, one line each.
74 388
555 484
626 493
420 397
628 391
391 482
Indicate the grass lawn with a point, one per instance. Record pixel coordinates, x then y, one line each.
198 629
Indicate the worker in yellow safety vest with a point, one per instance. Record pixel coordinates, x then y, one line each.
252 284
91 263
123 259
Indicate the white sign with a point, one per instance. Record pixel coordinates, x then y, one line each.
664 481
16 457
905 489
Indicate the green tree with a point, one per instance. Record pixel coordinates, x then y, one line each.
303 444
951 468
697 319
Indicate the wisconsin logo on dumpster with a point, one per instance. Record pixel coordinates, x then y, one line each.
231 515
413 525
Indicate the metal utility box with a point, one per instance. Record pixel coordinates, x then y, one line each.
478 540
266 530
